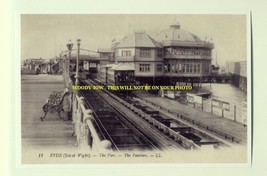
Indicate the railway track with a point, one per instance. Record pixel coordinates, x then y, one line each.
143 127
219 134
114 124
114 127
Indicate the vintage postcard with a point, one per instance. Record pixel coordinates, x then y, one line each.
135 88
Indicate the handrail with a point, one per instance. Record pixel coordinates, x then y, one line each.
188 43
85 130
83 122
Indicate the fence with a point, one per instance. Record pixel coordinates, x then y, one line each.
234 112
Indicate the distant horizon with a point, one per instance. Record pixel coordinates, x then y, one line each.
46 35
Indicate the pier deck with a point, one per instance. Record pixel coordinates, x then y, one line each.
52 133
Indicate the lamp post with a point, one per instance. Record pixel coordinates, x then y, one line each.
77 62
69 46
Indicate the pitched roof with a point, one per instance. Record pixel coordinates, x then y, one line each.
124 67
121 66
105 50
138 39
174 36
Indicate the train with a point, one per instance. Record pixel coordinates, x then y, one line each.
117 74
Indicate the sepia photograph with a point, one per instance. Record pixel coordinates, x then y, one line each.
135 88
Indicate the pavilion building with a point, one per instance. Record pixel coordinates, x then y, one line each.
173 56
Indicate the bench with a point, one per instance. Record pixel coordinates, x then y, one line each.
54 103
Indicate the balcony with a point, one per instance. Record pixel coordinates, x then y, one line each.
173 74
188 56
187 44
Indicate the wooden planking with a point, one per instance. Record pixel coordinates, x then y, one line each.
52 132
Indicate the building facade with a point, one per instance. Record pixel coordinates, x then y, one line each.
173 56
44 66
186 57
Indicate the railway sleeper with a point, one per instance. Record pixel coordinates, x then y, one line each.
151 112
109 119
141 106
120 131
191 136
201 143
133 146
104 112
166 122
180 139
113 125
105 116
125 139
181 129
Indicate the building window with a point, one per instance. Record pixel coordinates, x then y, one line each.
173 68
92 65
187 68
169 68
159 67
198 68
195 68
145 53
183 68
126 53
209 67
191 68
176 67
159 53
144 67
205 67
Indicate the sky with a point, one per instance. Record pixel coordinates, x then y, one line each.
46 35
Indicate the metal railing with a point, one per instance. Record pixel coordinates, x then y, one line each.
186 56
187 43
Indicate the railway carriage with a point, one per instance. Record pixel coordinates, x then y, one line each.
117 74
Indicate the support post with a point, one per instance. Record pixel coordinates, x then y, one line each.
77 62
202 104
69 46
211 107
74 114
235 113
